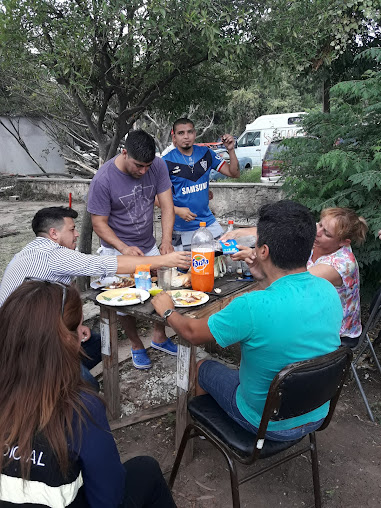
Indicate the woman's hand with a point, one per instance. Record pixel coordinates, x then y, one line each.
83 332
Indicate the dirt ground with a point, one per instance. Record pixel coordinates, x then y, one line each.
349 450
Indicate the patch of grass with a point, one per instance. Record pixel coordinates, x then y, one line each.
252 175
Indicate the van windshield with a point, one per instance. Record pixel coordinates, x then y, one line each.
250 139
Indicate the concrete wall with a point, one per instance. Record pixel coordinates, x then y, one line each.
237 201
240 201
15 160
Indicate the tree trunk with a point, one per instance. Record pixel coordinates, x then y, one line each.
85 242
326 98
86 236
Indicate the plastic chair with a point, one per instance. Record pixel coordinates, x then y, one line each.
365 344
297 389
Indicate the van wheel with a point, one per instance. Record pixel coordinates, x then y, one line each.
248 166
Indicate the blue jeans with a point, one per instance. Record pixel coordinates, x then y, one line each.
222 383
92 348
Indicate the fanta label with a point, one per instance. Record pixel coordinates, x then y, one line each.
199 262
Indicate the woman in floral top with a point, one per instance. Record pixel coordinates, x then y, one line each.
332 259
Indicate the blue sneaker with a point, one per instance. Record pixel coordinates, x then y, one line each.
168 347
140 359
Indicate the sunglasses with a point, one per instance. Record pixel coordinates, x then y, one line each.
64 289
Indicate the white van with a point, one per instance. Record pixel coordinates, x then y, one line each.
252 144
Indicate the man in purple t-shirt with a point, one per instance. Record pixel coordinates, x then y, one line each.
121 203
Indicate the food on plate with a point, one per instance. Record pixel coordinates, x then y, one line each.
127 296
186 298
181 280
124 282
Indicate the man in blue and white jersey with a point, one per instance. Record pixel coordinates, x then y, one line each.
189 167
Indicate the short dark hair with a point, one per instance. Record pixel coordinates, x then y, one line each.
289 230
52 217
140 146
181 121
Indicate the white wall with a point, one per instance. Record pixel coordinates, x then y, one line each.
14 159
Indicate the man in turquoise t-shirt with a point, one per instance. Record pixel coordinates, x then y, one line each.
296 316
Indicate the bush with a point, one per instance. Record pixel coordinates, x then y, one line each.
339 162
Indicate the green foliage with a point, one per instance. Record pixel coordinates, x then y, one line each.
116 59
253 175
339 163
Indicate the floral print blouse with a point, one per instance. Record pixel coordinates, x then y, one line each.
344 262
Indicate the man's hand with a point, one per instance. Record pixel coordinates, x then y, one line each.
185 213
162 302
84 333
166 248
131 251
243 254
228 141
254 266
379 234
181 259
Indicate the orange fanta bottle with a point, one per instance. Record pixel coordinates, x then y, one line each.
202 270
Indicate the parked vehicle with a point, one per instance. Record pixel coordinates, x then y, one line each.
252 144
273 161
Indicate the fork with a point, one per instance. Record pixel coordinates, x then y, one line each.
139 296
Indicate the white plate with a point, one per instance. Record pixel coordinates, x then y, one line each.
184 293
104 284
101 283
113 297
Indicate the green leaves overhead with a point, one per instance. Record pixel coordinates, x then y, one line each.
339 163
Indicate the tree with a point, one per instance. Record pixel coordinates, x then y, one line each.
116 60
339 162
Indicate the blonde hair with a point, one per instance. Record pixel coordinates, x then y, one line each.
348 225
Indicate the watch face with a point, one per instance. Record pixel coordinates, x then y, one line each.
167 313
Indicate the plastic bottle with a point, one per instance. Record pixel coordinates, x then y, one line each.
231 266
230 226
202 269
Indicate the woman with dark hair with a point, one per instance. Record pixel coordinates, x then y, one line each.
332 259
58 449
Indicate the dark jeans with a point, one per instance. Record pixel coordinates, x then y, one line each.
145 485
92 348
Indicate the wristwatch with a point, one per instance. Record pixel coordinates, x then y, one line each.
167 313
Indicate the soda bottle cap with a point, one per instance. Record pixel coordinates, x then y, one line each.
202 224
231 222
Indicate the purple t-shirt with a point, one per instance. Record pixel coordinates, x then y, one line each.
128 202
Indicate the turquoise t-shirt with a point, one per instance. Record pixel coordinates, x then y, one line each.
297 318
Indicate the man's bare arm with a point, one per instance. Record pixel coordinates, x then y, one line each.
232 169
182 211
127 264
196 331
167 220
103 230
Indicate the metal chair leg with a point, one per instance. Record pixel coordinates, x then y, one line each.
233 477
374 356
180 453
354 371
315 470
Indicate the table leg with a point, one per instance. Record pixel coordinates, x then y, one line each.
186 378
109 335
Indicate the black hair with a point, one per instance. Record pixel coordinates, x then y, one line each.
52 217
140 146
289 230
181 121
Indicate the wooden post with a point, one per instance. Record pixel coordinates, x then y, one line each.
109 334
186 379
